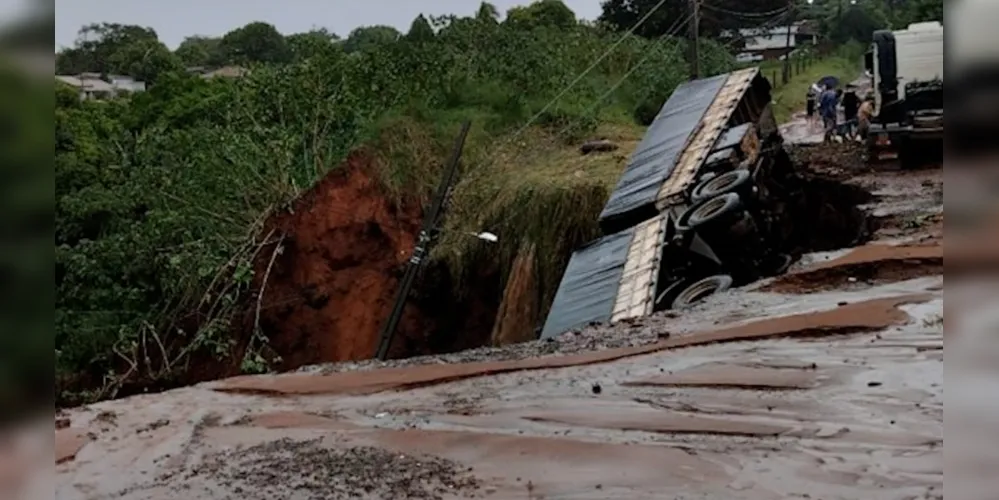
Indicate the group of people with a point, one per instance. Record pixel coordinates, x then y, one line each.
856 113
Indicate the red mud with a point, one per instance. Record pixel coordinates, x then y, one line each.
69 442
733 376
346 243
869 263
559 467
851 318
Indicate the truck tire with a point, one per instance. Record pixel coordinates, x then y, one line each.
665 298
710 211
733 181
696 291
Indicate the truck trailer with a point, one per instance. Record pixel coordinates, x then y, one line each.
701 206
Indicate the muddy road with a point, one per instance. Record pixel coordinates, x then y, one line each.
824 383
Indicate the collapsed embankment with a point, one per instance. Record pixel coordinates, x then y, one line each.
346 242
326 293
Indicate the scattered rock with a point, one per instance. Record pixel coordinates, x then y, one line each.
596 388
309 470
153 426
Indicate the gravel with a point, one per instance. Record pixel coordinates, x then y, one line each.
305 469
643 331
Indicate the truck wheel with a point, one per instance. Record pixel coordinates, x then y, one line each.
710 211
729 182
665 298
702 289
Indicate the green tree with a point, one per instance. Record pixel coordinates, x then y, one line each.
97 45
367 38
856 22
546 13
487 13
200 51
256 42
420 30
926 10
311 44
73 61
146 60
621 15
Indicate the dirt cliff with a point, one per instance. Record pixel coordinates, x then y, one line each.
330 288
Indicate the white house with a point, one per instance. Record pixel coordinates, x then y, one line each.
88 87
92 86
126 83
773 43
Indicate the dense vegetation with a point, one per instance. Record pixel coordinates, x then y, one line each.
161 196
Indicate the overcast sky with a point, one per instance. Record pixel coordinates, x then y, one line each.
175 19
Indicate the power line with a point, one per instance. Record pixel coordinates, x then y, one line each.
723 10
582 75
677 25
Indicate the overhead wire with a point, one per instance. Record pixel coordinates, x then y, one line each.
585 72
723 10
677 25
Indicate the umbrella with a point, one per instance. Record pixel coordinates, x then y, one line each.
829 81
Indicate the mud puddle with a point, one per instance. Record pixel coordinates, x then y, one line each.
863 266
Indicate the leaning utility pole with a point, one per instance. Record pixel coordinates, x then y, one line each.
431 222
787 55
695 21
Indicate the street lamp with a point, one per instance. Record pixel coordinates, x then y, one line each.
486 236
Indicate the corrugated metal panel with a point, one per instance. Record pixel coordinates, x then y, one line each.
589 285
655 158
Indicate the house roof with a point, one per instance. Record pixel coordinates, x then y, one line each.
227 71
86 83
70 80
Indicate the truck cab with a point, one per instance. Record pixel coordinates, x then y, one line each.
907 71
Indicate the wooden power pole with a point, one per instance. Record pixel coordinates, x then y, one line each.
787 56
695 22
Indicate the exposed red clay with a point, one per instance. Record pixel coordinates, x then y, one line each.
332 286
733 376
875 262
69 442
862 316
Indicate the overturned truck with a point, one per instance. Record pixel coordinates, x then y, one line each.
701 206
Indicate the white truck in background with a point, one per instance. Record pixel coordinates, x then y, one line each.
908 68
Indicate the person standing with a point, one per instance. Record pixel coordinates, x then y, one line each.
864 115
828 109
851 104
811 97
